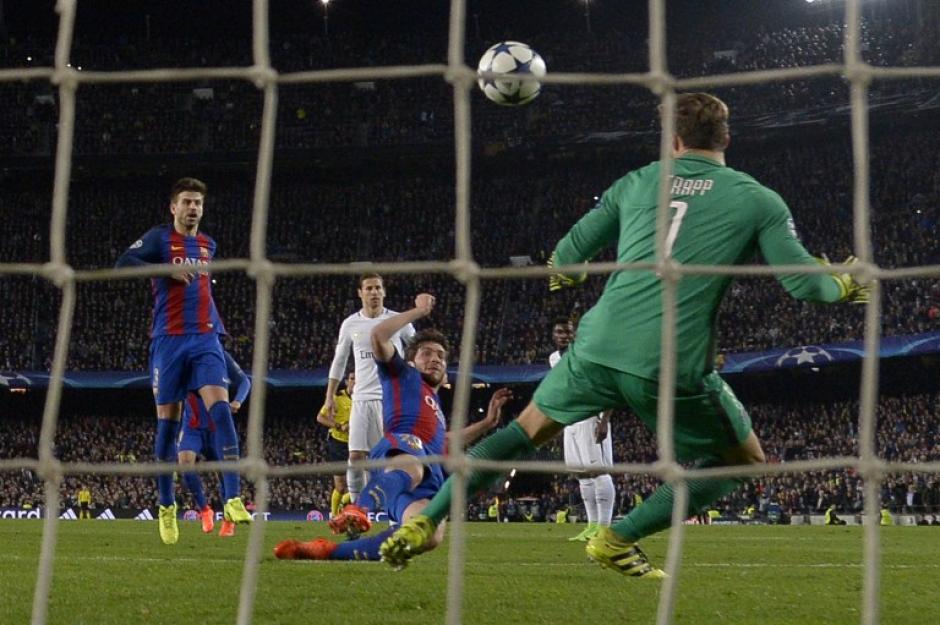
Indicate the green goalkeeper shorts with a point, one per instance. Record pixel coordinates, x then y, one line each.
706 423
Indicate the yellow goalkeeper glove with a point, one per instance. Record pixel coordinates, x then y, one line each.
558 281
851 291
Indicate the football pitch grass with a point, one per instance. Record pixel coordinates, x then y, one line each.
119 572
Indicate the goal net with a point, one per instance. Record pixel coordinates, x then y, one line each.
462 267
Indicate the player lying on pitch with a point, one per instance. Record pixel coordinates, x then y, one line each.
414 427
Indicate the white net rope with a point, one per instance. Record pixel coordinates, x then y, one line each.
464 269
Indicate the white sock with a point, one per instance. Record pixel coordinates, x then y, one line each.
355 481
604 494
590 502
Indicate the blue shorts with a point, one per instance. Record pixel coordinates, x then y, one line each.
184 363
198 441
393 444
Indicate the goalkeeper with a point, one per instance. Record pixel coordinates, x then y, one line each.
720 217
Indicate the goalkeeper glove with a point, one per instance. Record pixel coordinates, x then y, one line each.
850 289
558 281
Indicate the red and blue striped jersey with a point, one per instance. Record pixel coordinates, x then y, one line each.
178 308
410 405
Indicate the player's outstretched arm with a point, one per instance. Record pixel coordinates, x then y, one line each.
239 379
494 413
558 281
851 290
602 427
337 367
593 232
780 245
146 251
382 347
324 418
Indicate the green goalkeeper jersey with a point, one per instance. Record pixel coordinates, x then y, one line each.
719 217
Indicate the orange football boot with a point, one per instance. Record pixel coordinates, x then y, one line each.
354 520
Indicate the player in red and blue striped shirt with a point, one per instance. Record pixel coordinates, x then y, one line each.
185 351
414 427
200 435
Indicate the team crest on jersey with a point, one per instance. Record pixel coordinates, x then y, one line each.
411 440
138 243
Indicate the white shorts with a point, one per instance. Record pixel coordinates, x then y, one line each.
582 451
365 424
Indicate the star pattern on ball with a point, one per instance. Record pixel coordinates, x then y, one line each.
503 47
508 61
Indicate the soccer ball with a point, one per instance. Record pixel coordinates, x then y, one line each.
512 59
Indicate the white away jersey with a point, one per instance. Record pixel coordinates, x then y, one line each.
355 333
554 358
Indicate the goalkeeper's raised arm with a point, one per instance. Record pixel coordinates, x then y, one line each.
780 245
592 233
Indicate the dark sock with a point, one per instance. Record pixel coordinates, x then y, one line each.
194 483
164 450
362 548
510 443
226 445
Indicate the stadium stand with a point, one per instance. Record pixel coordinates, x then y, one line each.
515 214
907 432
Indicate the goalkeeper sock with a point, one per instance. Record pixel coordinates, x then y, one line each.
382 489
164 450
655 514
362 548
335 498
510 443
194 483
226 445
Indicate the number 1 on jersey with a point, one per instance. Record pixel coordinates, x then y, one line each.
675 224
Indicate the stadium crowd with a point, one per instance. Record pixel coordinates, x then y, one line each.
126 438
224 116
371 210
907 432
518 212
410 219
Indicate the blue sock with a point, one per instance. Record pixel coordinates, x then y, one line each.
226 446
194 484
362 548
383 488
164 450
